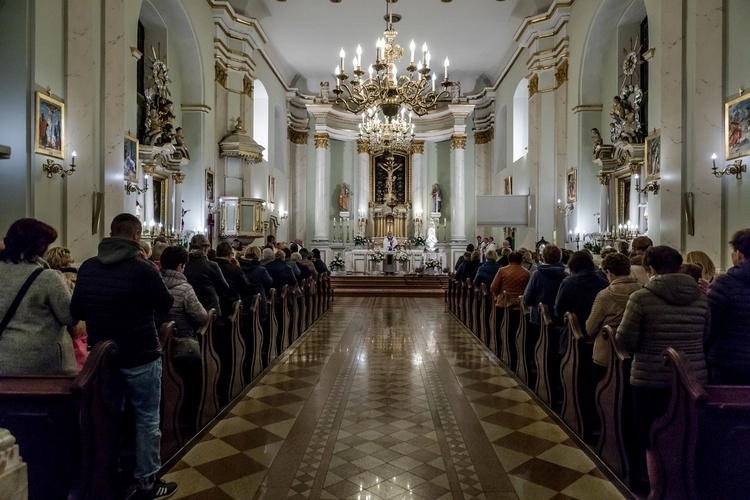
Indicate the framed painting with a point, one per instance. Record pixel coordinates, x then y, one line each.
508 185
130 160
652 161
160 197
737 127
623 184
50 126
209 185
571 186
271 189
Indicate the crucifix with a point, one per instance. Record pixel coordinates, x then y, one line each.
390 167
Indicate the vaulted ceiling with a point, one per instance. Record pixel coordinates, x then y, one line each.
305 36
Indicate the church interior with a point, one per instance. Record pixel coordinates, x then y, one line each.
578 123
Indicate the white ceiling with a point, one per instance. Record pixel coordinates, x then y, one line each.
305 36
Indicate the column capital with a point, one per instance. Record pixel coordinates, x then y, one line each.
178 177
458 141
484 136
363 146
321 141
296 136
417 147
561 73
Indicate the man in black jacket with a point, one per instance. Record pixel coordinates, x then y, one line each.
205 277
117 293
280 272
234 276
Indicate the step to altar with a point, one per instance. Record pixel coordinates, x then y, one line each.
413 285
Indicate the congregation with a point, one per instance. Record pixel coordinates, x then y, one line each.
651 296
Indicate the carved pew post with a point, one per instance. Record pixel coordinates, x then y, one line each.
484 313
328 291
253 334
614 405
476 320
576 374
547 359
297 302
303 305
319 309
273 328
239 353
511 318
451 294
173 392
492 334
208 406
526 338
281 305
470 303
464 302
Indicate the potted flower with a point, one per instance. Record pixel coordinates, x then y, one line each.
401 257
337 264
432 266
377 257
418 240
360 241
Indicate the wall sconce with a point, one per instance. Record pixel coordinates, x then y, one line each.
651 187
263 206
736 169
51 168
284 214
131 188
565 209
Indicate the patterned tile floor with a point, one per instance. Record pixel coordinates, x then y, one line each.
388 398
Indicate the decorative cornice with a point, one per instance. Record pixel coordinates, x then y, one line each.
296 136
561 73
587 107
533 85
417 147
220 74
363 146
458 141
178 177
321 141
484 136
201 108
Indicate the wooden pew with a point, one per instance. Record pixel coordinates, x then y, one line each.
547 359
328 291
470 305
476 320
614 405
310 299
283 318
208 406
451 294
485 313
173 393
577 379
271 339
252 331
238 353
230 347
527 336
701 446
492 334
321 298
464 308
315 301
511 318
300 310
304 300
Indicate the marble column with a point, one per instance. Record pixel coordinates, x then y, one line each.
483 145
363 196
112 110
298 202
458 203
179 178
322 190
418 193
81 102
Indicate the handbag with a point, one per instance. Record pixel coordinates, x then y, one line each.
17 301
185 348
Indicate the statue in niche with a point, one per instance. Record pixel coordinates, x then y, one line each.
180 146
437 198
344 197
324 92
596 139
431 236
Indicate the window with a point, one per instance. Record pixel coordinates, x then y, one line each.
521 120
260 116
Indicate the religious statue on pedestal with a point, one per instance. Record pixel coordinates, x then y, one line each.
344 197
431 236
437 198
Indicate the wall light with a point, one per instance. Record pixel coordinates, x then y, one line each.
51 168
736 169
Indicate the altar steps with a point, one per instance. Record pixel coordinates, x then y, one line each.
389 286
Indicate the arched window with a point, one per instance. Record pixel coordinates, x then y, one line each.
260 116
521 120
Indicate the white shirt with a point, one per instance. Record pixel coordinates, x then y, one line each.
390 245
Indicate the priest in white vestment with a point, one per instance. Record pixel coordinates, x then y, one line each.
389 246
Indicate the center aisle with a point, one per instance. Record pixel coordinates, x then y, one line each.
388 398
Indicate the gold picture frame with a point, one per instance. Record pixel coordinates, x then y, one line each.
652 157
161 199
736 123
130 164
508 185
210 185
571 186
49 138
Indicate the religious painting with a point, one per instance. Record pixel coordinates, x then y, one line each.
508 185
209 185
130 160
271 189
160 197
652 162
390 182
622 198
50 126
737 127
571 186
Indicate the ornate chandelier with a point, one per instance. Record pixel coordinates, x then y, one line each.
384 88
386 134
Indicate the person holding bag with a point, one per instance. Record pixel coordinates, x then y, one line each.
34 306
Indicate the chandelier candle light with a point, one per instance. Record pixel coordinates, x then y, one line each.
384 88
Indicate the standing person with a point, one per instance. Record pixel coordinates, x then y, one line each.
487 271
708 269
34 340
319 264
234 275
257 277
728 346
670 311
544 283
578 291
205 277
640 245
117 293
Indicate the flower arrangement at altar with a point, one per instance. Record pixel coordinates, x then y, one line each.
337 264
432 263
401 256
360 240
377 255
418 240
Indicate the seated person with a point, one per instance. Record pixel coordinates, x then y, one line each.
464 258
266 256
545 282
305 253
469 269
304 271
280 272
320 265
292 265
487 271
205 276
512 278
36 339
234 275
504 253
258 278
609 306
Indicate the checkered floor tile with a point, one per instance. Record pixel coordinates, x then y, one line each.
388 398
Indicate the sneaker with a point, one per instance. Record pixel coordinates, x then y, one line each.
160 489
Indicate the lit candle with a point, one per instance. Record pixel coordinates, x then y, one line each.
446 69
424 54
433 82
427 60
359 56
713 160
342 54
337 71
412 46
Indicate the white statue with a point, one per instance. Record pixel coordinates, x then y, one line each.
431 238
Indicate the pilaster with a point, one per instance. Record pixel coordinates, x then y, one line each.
322 190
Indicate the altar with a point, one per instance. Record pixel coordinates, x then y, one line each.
360 261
